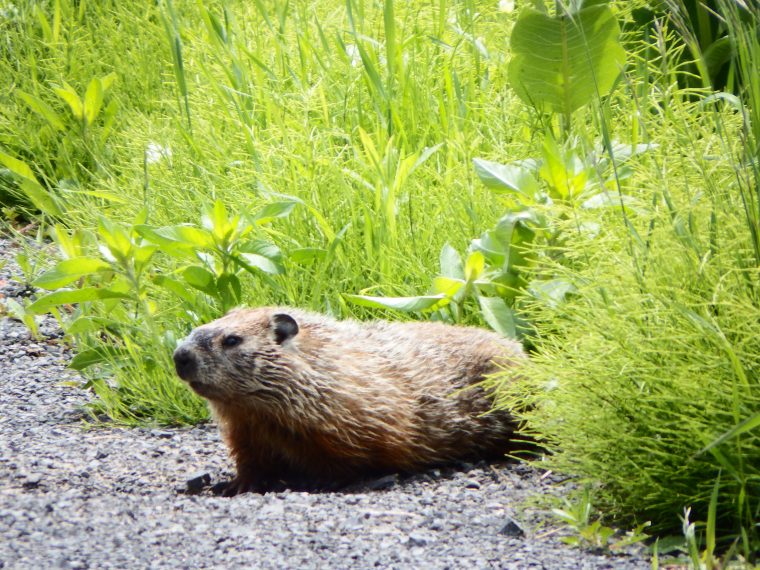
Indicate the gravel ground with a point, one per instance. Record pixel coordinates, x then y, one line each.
119 498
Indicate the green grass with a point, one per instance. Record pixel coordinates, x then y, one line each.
253 103
340 138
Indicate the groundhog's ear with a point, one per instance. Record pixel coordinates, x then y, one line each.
285 327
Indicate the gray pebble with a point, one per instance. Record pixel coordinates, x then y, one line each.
197 482
512 528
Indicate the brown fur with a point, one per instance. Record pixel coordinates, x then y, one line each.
338 400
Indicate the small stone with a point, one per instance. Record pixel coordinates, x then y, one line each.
436 524
512 528
472 484
163 434
417 539
382 483
198 481
32 481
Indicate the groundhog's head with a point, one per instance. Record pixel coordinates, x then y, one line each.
243 354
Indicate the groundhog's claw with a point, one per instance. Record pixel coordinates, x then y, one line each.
238 486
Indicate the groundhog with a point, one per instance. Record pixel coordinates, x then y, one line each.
306 401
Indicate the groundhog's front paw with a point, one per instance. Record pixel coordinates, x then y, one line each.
239 485
246 485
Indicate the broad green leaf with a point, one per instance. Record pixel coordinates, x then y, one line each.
90 324
107 80
200 278
451 263
717 55
69 245
115 238
251 260
474 265
42 199
495 250
70 270
260 247
215 221
229 289
65 297
498 316
38 195
513 229
98 355
183 236
609 200
564 173
93 100
43 109
140 218
70 96
447 286
174 286
142 255
15 309
505 285
728 98
404 304
506 177
17 167
272 211
307 255
553 292
560 63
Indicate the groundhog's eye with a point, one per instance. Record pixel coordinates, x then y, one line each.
231 340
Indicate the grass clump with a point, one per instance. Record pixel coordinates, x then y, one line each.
637 382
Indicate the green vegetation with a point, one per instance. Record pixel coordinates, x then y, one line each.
591 193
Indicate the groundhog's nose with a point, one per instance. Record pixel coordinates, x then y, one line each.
185 363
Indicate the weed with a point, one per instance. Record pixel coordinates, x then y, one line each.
591 533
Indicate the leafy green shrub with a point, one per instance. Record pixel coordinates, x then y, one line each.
539 195
635 381
114 296
646 383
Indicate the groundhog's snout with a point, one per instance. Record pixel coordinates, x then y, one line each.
185 363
